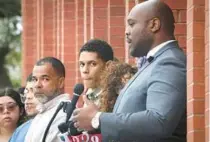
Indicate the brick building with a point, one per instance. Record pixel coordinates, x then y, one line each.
59 27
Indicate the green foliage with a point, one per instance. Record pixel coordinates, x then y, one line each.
10 8
10 45
10 34
13 58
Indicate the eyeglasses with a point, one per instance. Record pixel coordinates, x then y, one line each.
23 96
9 106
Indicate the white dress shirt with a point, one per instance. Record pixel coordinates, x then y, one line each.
41 120
154 50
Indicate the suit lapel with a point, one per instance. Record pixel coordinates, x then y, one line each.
129 83
170 45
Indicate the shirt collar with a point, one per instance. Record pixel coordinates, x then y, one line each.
152 52
52 103
93 94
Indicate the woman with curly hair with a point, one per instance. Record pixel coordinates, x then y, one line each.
11 113
113 79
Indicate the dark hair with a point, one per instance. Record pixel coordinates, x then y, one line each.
111 83
56 64
102 48
21 90
29 78
16 97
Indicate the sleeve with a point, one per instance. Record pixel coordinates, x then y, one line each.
165 105
53 134
13 137
20 132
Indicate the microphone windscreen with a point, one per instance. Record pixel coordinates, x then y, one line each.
78 89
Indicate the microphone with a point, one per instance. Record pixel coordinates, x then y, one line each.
78 89
69 127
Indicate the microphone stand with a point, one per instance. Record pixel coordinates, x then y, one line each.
53 117
63 127
68 126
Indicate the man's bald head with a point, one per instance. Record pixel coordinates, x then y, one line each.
156 9
149 24
165 14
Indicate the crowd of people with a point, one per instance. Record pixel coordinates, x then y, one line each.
121 102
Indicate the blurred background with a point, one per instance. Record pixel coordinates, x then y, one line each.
10 43
60 27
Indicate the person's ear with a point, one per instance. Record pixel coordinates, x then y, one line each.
61 82
155 25
21 111
108 63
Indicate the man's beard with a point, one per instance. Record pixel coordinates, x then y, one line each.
143 46
43 98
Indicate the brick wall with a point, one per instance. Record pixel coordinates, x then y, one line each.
195 70
207 72
29 38
60 27
179 11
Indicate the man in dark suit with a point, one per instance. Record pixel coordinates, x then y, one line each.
152 106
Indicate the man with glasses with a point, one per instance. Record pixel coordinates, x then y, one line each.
27 97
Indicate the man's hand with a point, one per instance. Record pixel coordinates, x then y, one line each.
83 116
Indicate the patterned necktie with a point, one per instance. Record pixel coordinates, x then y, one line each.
141 61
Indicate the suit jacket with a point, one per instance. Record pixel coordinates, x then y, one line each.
152 105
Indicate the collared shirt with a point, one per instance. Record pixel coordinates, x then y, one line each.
41 120
20 133
152 52
93 95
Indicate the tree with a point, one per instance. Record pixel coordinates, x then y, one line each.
10 46
10 8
